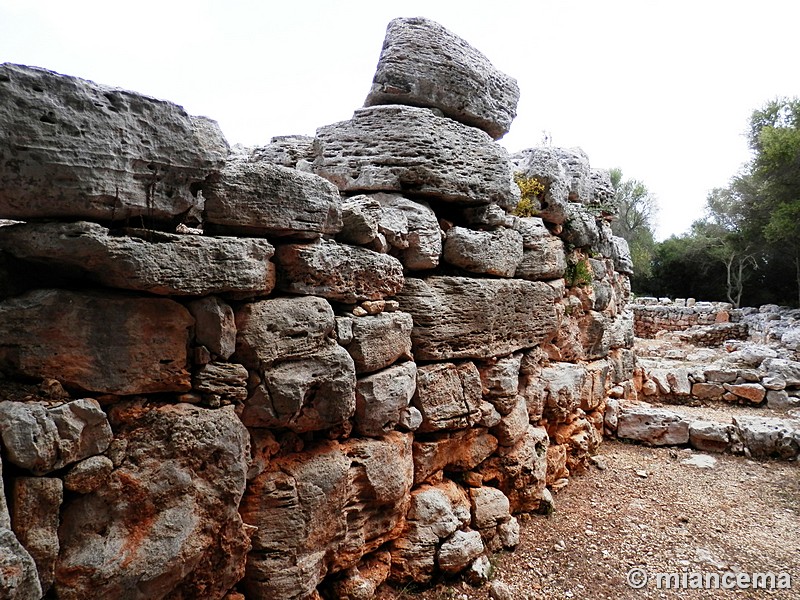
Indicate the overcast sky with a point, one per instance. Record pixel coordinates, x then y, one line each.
662 90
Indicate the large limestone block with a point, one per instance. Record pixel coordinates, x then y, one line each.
461 317
654 426
411 150
765 437
43 439
424 64
95 341
448 396
382 397
37 501
497 252
18 576
165 523
520 472
435 513
281 329
789 370
320 510
337 271
500 379
73 149
543 257
563 389
255 197
459 550
307 394
380 340
456 451
149 261
412 229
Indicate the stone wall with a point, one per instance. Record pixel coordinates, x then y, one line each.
313 365
651 315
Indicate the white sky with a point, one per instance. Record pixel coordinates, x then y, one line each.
662 90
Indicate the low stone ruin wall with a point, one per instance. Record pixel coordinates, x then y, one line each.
652 316
309 366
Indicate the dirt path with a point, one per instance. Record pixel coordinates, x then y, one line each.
647 509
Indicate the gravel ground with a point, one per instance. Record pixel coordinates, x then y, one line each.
646 509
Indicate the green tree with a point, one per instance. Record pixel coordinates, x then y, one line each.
635 223
775 140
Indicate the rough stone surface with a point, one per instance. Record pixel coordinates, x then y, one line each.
305 394
752 392
254 197
18 576
543 257
148 261
490 507
380 340
457 451
496 252
710 436
96 341
788 369
319 511
448 396
459 550
410 150
5 518
281 329
514 425
166 523
500 379
337 271
285 150
215 326
360 218
43 440
37 501
89 474
424 64
459 317
412 229
381 398
766 437
653 426
226 382
72 149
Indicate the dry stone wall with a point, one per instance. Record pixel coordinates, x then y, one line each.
315 365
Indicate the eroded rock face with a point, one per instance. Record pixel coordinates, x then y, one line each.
148 261
319 511
460 317
424 64
412 229
18 575
657 427
496 252
73 149
456 451
255 197
165 524
380 340
337 271
448 396
410 150
382 398
97 341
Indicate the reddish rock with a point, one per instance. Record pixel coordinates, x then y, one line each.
457 451
95 341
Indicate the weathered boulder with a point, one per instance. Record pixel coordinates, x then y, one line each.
97 341
789 370
500 380
765 437
221 383
412 229
564 385
751 392
362 581
148 261
255 197
18 576
514 425
424 64
497 252
72 149
214 325
458 551
460 317
45 439
166 523
410 150
543 256
456 451
37 502
654 426
448 396
305 394
380 340
381 398
337 271
710 436
284 150
281 329
520 471
320 510
5 517
89 474
360 217
435 513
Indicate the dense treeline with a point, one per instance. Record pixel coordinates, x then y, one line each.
746 248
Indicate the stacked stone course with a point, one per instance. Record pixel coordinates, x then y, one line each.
320 364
